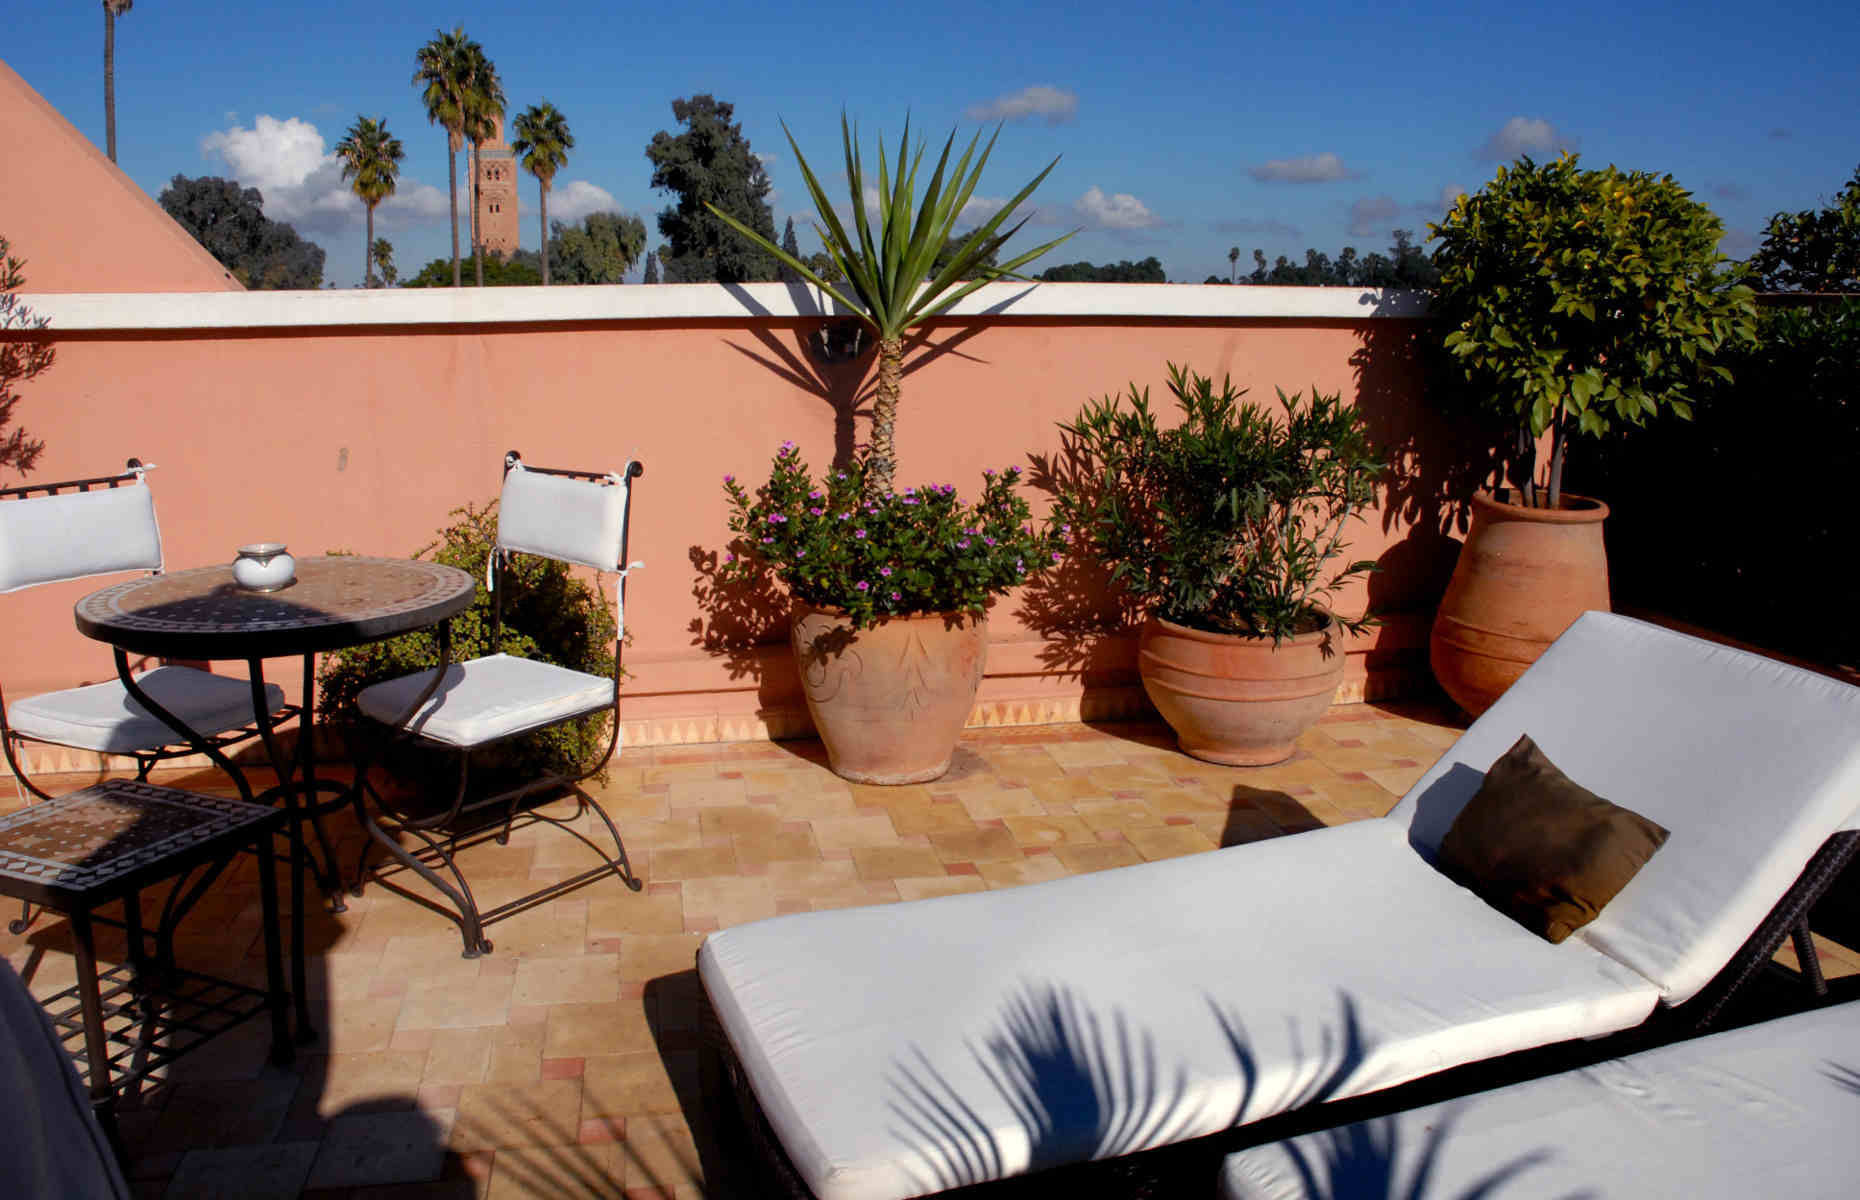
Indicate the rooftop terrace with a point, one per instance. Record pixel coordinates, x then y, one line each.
564 1063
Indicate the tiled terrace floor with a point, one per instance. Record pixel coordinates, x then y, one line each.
564 1063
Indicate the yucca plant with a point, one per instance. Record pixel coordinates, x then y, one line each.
891 279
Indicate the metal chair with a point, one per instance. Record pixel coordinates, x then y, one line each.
575 517
76 529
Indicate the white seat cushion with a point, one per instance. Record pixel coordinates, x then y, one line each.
102 717
1750 763
904 1049
1767 1110
488 698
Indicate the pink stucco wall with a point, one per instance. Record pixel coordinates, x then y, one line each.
363 439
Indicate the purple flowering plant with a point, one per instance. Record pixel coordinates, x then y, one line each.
931 552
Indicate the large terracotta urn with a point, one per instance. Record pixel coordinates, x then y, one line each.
1523 577
1238 701
889 701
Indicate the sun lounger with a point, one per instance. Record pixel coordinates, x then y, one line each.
1767 1110
896 1051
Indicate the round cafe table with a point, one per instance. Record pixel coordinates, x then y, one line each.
335 602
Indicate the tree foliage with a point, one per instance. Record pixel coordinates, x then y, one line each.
230 222
1577 301
710 163
383 258
1816 250
600 248
370 156
1406 265
20 361
521 268
442 71
1150 270
542 145
652 269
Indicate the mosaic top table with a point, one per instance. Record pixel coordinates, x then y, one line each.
108 842
335 602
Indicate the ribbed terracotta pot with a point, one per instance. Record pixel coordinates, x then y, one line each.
890 701
1524 576
1236 700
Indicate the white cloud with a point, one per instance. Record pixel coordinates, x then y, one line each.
1525 135
1310 168
1372 215
1449 195
301 181
1249 225
1121 211
574 200
1056 105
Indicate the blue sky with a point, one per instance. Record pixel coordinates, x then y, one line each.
1182 129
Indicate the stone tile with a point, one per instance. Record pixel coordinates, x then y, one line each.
381 1080
660 1153
728 901
978 846
990 804
645 955
1169 842
1396 780
589 1030
446 1007
1099 813
244 1172
623 1084
224 1112
458 1055
1050 831
929 817
643 837
845 833
892 862
1023 871
554 1172
492 1116
749 820
576 979
702 862
753 851
1083 859
930 887
381 1148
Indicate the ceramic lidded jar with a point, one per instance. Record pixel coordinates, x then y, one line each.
264 567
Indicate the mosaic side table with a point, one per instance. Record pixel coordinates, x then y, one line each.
335 602
78 852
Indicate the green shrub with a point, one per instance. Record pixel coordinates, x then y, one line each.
1228 522
1578 301
548 614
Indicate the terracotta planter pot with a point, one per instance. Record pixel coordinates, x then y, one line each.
1524 575
889 702
1236 700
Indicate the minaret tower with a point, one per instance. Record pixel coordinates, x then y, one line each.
497 193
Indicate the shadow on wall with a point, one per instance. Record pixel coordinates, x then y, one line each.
1437 459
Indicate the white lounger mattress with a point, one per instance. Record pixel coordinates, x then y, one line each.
904 1049
1768 1110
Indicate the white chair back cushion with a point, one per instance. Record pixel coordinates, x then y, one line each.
1750 763
74 535
573 520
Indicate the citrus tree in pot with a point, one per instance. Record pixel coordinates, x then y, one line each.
890 589
1229 528
1574 303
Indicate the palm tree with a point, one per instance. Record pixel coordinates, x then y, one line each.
484 107
111 10
444 66
543 142
370 156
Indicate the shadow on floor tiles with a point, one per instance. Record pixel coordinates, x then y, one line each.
1255 814
675 1002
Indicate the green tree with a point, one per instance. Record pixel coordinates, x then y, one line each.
652 269
1813 250
443 69
1233 264
383 255
484 108
600 248
711 163
112 9
20 361
516 270
791 246
371 157
542 144
230 222
1150 270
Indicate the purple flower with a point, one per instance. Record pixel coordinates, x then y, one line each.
814 495
840 475
894 595
1055 556
729 558
1020 566
988 541
787 447
858 533
846 516
989 472
777 519
963 544
1012 471
885 571
910 499
767 541
802 553
729 479
814 512
863 586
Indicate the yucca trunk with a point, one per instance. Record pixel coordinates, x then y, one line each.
452 195
543 208
477 237
883 461
368 250
109 79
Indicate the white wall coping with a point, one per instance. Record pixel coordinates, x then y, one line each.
97 311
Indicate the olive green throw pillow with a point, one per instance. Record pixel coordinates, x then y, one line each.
1544 850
